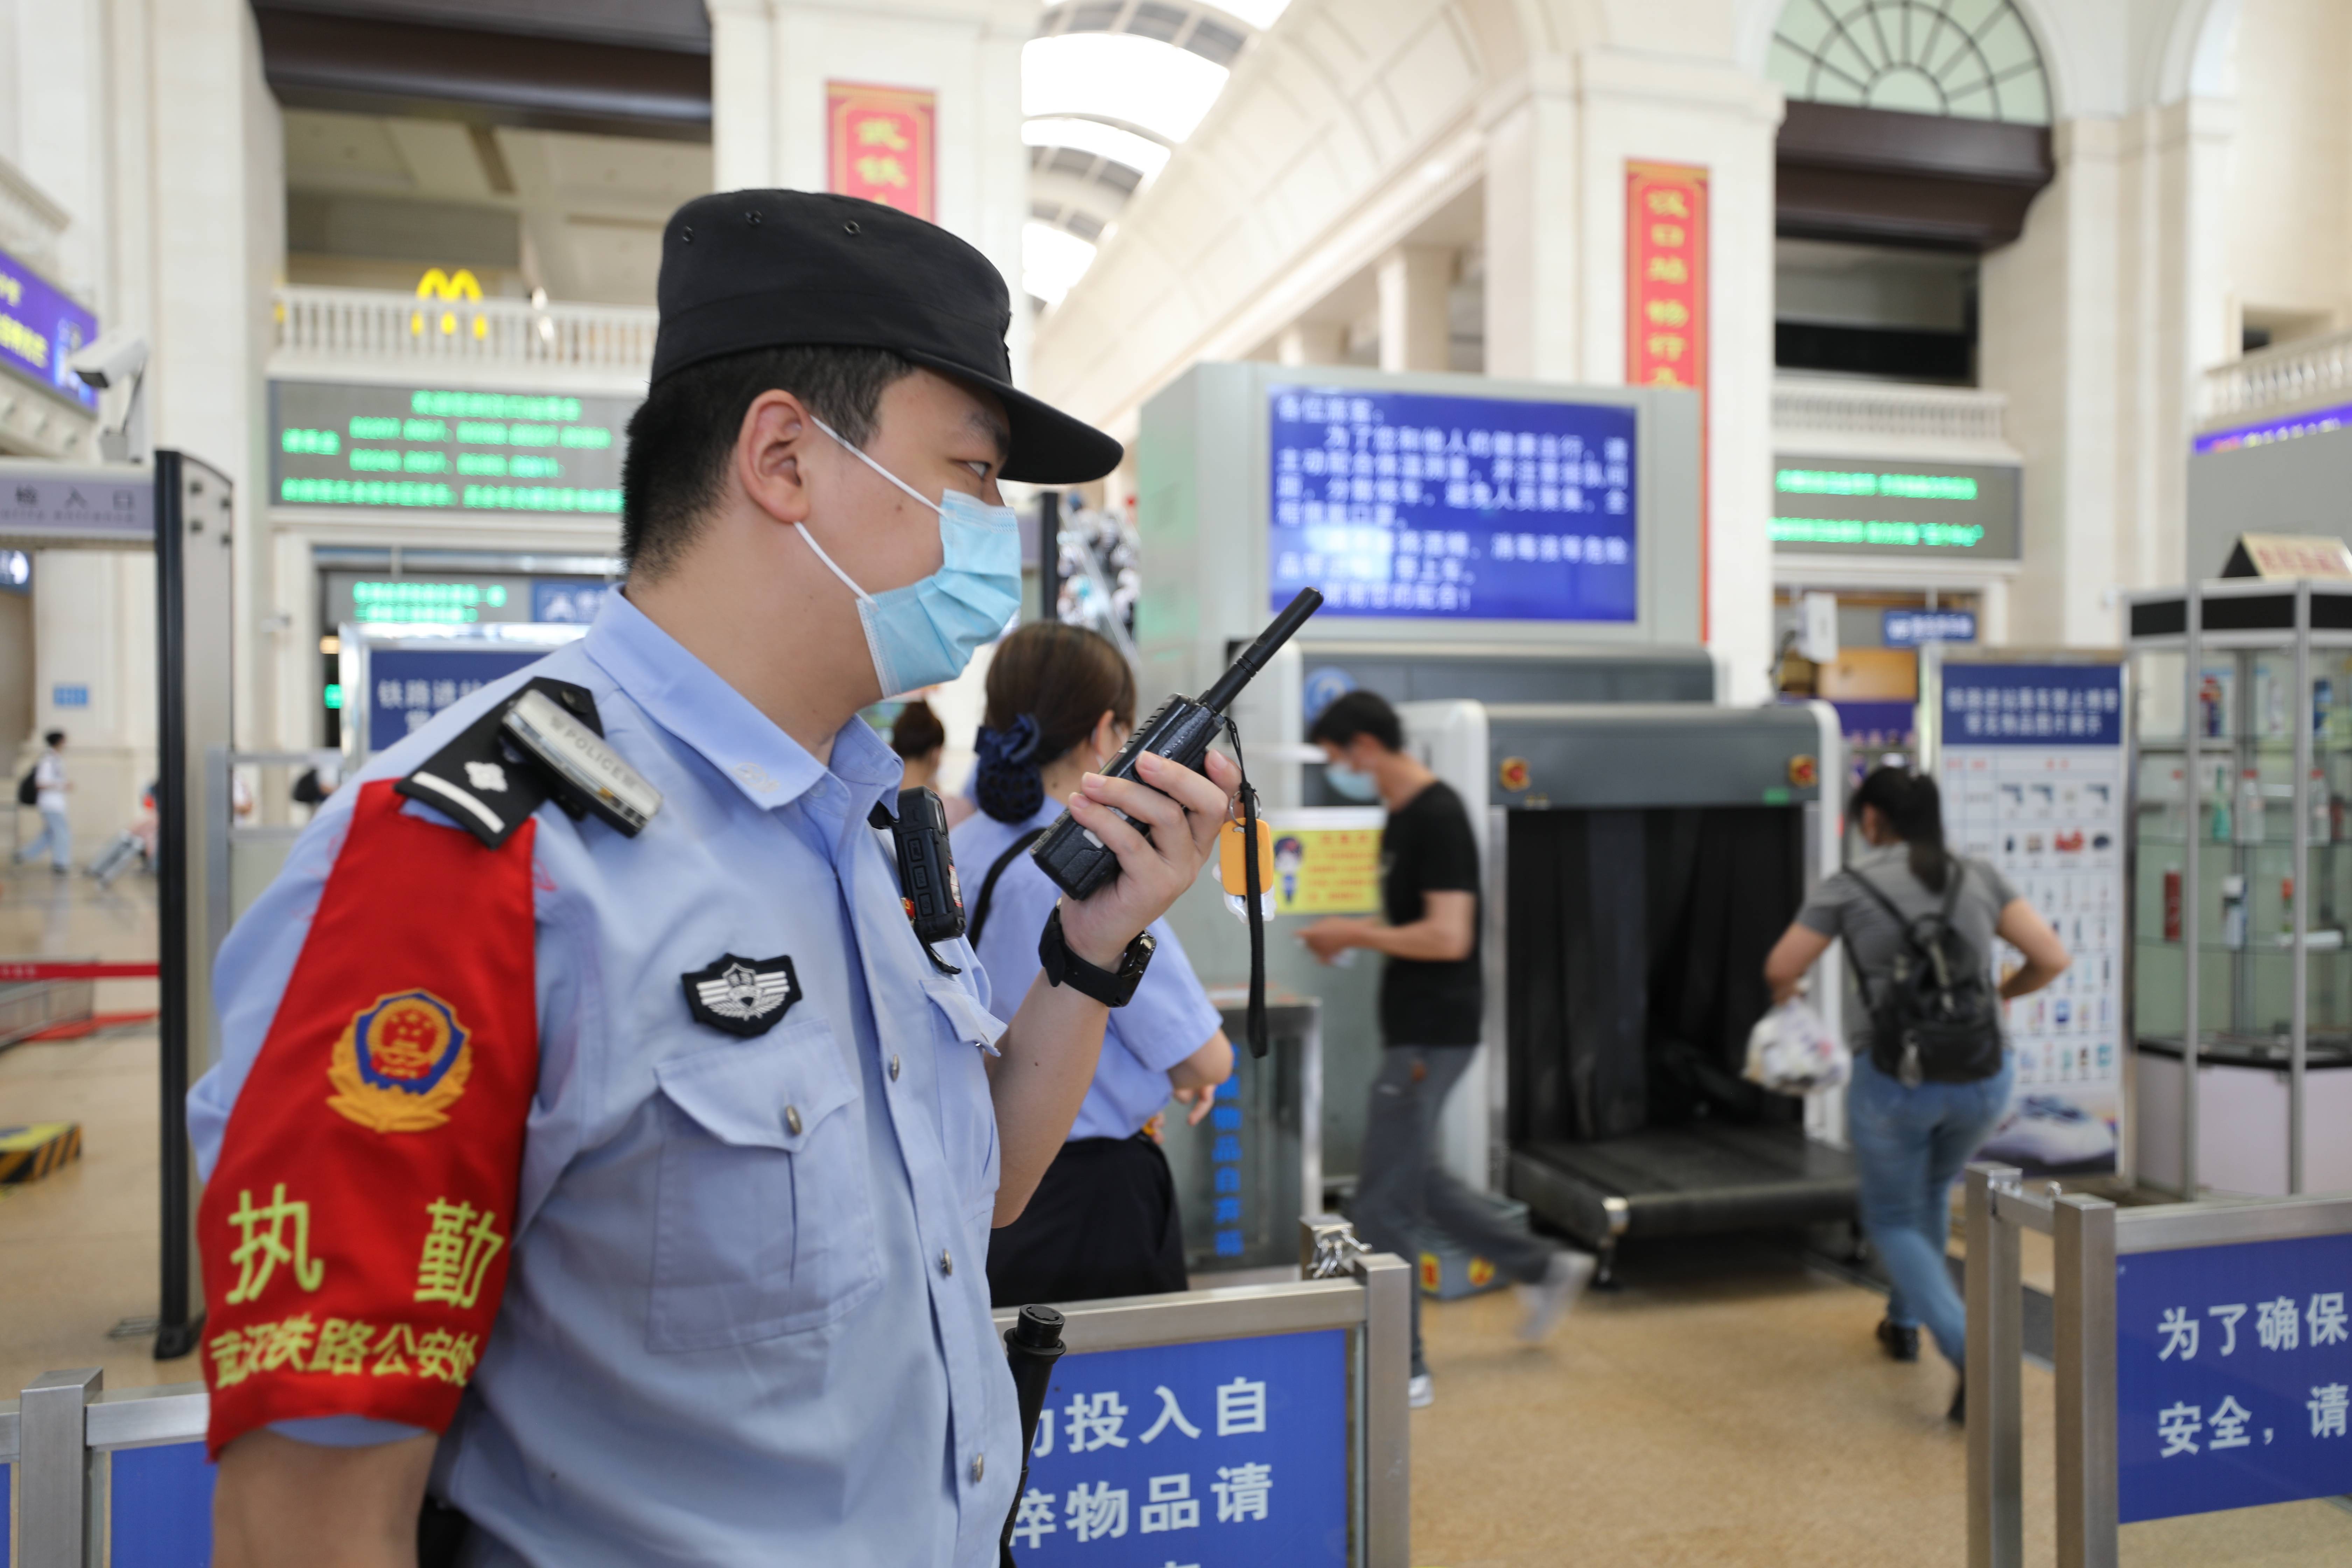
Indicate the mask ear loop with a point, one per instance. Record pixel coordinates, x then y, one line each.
1253 885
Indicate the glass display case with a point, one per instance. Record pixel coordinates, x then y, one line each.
2241 885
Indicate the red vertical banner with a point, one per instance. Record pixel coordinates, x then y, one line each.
1665 302
879 144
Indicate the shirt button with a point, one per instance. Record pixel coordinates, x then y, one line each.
947 1261
979 1466
793 1119
894 1069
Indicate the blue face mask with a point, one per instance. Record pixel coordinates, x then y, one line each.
1349 783
926 632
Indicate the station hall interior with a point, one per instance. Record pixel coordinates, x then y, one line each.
1684 410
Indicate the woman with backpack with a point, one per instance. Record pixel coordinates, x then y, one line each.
1932 1072
1104 1221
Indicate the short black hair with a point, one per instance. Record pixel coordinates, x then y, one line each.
682 435
1357 713
55 738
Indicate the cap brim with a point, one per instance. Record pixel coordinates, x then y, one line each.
1049 448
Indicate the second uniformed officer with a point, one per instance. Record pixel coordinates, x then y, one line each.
593 1138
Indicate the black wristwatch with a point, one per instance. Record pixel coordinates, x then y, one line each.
1112 988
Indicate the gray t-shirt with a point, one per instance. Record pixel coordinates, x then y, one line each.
1842 907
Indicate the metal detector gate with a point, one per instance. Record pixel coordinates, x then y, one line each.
183 509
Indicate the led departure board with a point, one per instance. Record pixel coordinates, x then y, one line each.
1414 504
1834 506
452 449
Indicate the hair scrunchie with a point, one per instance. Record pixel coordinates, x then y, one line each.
1006 783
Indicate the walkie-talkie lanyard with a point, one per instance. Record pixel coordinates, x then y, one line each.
1252 895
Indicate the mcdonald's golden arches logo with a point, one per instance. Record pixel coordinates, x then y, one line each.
449 287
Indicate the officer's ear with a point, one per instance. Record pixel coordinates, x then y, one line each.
776 435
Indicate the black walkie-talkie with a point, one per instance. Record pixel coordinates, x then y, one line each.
1180 730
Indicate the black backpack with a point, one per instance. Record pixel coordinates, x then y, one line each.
1936 1015
28 791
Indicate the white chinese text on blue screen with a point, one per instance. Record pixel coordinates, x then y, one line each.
2233 1375
1402 503
1233 1452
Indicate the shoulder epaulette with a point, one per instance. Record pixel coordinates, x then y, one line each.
545 742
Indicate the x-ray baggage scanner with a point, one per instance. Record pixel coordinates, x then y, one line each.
1642 860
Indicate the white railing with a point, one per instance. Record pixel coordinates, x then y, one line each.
1828 408
2280 378
342 326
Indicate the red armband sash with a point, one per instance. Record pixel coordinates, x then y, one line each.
357 1228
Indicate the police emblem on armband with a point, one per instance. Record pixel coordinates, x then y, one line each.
401 1064
744 996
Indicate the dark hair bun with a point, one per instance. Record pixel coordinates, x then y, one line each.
1006 783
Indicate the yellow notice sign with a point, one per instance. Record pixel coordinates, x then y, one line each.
1327 861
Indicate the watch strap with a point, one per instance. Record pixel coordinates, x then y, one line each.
1112 988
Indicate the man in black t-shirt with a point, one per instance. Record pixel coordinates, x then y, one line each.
1432 1003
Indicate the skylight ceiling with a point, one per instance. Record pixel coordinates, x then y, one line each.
1109 88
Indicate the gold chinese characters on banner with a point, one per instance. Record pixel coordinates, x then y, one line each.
879 144
1665 304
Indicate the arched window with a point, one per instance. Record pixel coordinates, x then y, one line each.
1973 58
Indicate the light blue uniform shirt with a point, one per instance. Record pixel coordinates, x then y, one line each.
721 1341
1169 1018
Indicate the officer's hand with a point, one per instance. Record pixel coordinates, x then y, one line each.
1184 812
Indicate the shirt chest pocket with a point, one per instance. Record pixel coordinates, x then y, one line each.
763 1222
961 1028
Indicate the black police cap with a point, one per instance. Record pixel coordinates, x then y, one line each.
754 269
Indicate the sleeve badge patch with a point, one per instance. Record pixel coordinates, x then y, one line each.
744 996
401 1064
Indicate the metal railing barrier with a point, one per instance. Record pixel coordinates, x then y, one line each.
2203 1361
1250 1422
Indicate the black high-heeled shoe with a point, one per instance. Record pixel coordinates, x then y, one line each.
1902 1344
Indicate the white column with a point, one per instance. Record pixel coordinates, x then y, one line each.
1533 278
1412 281
2050 342
1312 343
1638 107
742 95
771 60
215 183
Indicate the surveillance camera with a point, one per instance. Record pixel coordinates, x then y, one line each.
116 357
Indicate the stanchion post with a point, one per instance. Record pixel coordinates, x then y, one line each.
1996 1394
1388 1433
2085 1245
61 1494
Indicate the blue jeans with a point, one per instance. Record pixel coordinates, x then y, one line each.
1910 1146
55 837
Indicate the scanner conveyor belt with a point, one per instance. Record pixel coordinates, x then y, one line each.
1684 1181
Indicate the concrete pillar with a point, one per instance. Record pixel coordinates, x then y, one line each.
1714 117
1532 221
1312 343
771 62
1412 281
2049 342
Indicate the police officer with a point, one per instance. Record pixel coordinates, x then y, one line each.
595 1141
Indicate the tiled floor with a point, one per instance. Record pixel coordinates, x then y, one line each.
1727 1407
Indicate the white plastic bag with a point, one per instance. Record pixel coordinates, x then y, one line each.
1791 1051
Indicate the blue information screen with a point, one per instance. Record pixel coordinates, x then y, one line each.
411 685
1474 509
1233 1452
2233 1375
2034 704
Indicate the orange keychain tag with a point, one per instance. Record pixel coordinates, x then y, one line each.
1233 868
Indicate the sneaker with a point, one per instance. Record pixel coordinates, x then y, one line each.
1419 1392
1901 1340
1544 1303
